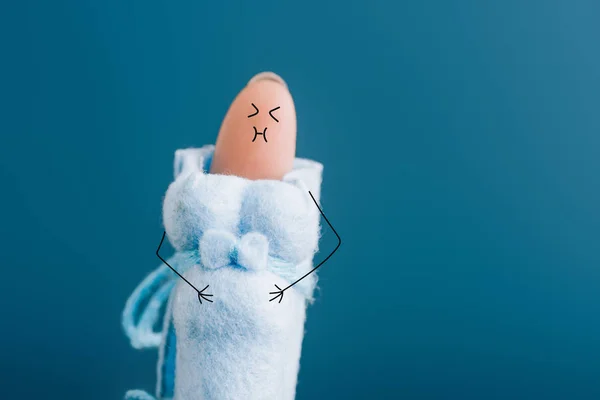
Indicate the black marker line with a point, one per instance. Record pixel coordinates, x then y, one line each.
280 291
263 133
275 109
200 294
252 115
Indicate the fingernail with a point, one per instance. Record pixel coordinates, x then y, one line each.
267 76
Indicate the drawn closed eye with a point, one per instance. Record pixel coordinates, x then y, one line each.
270 113
252 115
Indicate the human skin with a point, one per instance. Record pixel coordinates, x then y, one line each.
257 139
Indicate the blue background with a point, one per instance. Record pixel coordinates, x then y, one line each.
461 149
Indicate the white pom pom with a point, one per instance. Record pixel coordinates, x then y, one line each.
253 251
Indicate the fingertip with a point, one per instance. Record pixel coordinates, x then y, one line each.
257 139
267 75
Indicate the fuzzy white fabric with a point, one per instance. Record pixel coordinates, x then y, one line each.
250 236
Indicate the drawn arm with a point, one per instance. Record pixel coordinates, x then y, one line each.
201 295
279 292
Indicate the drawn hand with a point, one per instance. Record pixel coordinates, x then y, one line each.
201 295
279 294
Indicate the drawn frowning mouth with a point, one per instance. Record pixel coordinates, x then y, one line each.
263 133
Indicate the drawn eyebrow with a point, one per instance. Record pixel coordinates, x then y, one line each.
275 109
256 108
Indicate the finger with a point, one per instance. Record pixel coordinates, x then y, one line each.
257 139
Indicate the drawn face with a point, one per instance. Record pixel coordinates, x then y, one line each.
264 132
258 133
